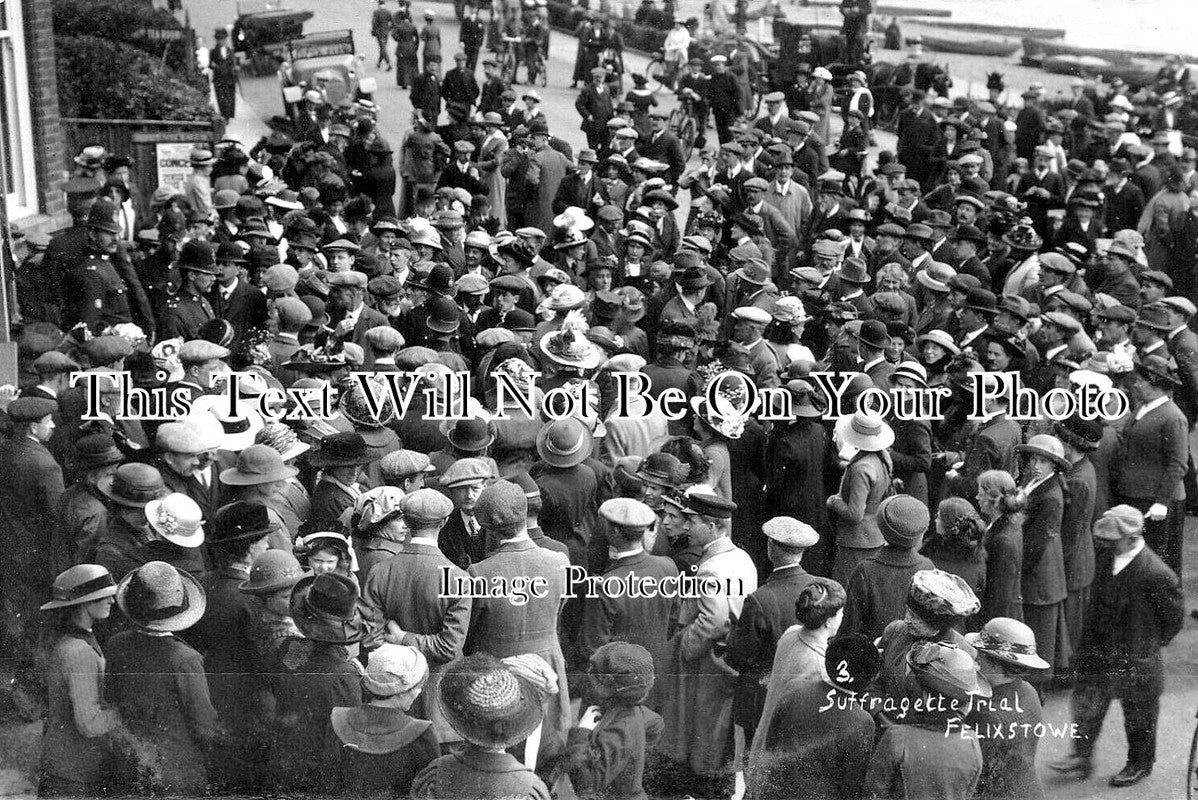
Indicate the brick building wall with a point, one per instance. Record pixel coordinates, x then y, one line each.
49 144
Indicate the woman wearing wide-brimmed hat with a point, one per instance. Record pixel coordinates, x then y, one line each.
340 459
863 439
1044 584
128 490
268 611
493 706
377 746
80 725
318 675
159 683
1006 656
262 476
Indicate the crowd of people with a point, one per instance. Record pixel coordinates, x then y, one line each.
877 594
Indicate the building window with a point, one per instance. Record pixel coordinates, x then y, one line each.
20 173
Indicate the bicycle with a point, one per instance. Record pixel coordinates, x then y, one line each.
538 68
684 124
660 72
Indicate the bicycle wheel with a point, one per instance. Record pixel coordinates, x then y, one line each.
688 131
657 72
1192 769
674 125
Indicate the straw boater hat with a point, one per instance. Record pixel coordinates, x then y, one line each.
158 597
487 703
1009 641
240 428
80 584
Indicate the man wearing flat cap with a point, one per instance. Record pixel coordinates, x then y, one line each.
351 318
646 620
698 737
1149 472
766 615
1136 608
406 591
503 628
31 486
202 362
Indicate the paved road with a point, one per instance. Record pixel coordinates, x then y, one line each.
395 117
19 743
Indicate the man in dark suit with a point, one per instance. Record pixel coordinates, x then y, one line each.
233 299
918 135
766 615
662 145
351 317
462 539
406 591
1153 454
504 628
647 620
1042 190
1124 198
582 187
30 490
725 98
1136 608
186 458
595 107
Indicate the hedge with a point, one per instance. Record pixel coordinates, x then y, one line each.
133 86
119 21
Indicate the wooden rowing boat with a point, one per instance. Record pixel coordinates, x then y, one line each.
1034 47
1015 31
1137 71
994 48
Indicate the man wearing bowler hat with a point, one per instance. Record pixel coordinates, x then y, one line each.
188 310
1136 608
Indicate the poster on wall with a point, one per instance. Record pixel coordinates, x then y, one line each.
174 165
